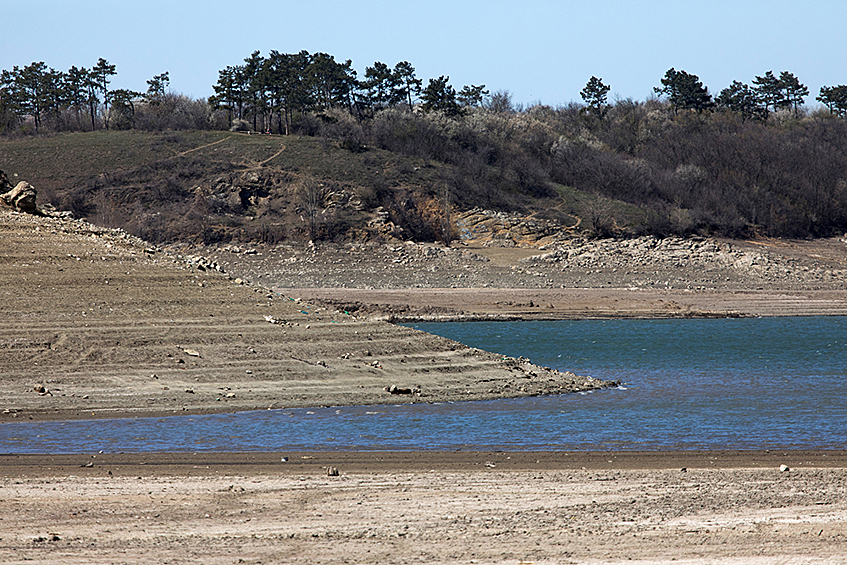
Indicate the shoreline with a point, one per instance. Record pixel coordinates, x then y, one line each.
357 462
99 324
559 304
485 507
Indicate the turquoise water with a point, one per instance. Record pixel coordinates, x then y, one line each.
687 384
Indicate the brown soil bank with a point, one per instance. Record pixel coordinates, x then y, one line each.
95 323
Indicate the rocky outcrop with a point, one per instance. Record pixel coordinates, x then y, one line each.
21 198
676 253
499 229
641 251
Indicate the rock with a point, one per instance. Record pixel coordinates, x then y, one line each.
42 390
394 389
21 198
784 468
332 471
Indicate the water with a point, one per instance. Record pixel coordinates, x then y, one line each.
687 384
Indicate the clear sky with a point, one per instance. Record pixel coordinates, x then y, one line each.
539 50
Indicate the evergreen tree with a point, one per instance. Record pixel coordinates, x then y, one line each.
739 97
793 92
55 97
99 77
768 91
123 107
594 95
834 98
380 85
406 84
472 96
76 91
685 91
157 87
332 84
256 104
36 91
440 96
229 94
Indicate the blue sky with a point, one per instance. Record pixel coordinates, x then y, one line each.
539 50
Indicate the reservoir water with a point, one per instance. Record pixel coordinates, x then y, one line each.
687 384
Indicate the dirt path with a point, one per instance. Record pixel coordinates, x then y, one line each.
183 153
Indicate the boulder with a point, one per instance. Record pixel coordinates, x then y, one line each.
21 198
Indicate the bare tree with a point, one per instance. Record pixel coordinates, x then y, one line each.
311 195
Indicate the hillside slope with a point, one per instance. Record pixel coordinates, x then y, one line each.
220 187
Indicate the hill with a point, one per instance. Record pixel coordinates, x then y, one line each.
219 187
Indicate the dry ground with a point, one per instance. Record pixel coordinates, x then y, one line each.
426 508
578 279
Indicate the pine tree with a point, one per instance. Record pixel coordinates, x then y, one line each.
594 95
684 91
440 96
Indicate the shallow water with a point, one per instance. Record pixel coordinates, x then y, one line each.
688 384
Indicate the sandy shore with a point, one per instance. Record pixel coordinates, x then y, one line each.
98 324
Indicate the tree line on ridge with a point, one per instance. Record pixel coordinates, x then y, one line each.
753 160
